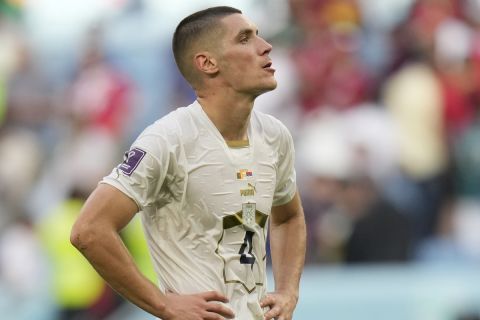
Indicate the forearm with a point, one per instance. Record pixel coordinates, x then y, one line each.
109 256
287 245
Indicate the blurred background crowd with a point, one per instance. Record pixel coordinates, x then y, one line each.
382 98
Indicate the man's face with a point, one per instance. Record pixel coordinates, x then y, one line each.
243 59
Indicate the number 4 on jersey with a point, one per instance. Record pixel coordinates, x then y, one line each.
247 258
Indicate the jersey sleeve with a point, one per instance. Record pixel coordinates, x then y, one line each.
286 185
141 175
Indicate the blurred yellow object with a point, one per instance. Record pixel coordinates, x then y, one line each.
76 284
413 96
137 245
342 12
16 3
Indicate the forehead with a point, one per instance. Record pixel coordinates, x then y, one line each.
236 23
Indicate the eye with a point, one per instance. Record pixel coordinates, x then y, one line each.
244 40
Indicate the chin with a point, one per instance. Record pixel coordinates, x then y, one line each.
264 87
264 90
271 85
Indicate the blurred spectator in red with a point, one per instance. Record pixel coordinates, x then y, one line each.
327 57
99 96
415 37
427 35
465 151
96 109
99 101
7 62
456 73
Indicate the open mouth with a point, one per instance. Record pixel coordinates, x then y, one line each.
268 65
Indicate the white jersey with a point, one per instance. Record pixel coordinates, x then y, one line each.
205 204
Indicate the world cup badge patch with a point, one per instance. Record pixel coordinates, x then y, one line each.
132 160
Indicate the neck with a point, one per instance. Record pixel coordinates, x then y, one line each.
229 113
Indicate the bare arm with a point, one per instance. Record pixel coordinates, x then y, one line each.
96 235
287 244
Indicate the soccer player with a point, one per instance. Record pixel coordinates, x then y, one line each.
208 180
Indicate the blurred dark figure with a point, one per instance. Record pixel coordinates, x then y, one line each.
346 160
327 228
352 223
468 316
379 233
466 153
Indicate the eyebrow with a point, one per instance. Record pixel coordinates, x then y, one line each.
246 32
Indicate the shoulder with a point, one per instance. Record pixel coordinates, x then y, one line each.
168 131
170 124
270 127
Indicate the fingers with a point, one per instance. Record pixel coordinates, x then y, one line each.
268 300
273 313
221 310
279 309
215 308
213 316
213 296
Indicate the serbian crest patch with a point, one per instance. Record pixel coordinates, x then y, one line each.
132 160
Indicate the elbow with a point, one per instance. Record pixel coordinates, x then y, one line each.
82 236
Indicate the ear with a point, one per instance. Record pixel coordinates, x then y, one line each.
205 63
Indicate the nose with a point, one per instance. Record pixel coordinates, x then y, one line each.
266 47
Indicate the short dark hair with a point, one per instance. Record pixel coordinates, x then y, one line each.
192 28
